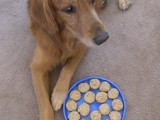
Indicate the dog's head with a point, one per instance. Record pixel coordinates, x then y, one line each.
77 16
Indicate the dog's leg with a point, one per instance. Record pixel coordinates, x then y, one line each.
41 83
123 4
61 88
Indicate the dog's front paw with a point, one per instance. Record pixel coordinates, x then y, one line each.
123 4
58 97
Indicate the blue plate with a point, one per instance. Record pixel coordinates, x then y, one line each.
95 105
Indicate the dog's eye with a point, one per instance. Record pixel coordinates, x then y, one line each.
70 9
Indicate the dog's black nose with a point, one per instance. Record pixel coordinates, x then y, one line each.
101 37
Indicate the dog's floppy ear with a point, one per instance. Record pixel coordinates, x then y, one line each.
50 16
42 13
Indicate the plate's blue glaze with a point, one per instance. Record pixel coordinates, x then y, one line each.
95 105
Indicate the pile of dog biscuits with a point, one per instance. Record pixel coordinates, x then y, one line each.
105 93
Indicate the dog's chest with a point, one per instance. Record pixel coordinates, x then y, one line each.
68 53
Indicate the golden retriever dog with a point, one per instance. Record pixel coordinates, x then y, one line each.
63 29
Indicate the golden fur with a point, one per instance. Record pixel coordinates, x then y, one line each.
60 39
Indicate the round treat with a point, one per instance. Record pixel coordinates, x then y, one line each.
95 115
104 109
105 87
84 109
83 87
71 105
101 97
94 84
74 116
89 97
113 93
114 115
117 105
75 95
